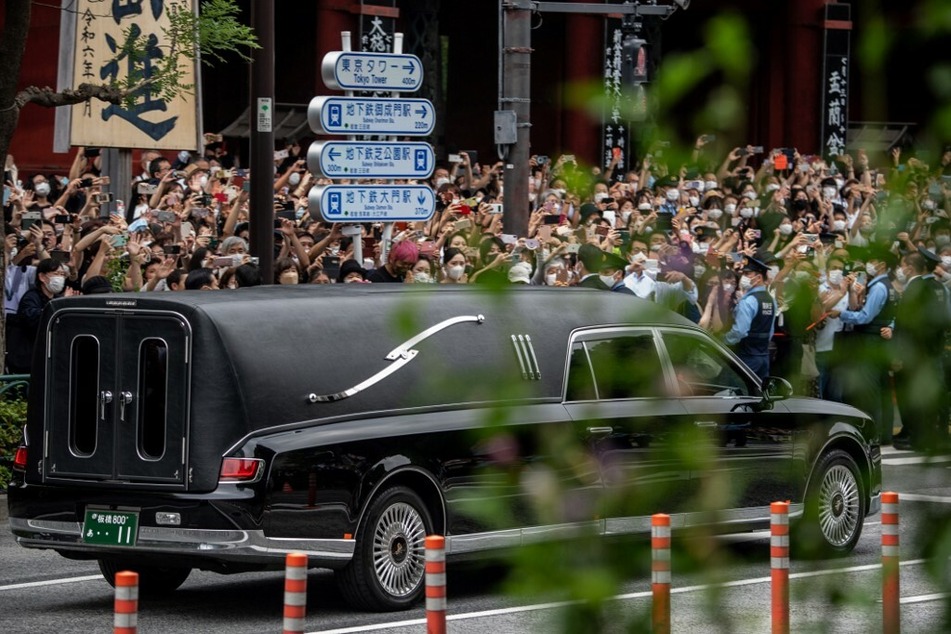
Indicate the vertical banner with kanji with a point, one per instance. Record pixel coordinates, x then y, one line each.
614 127
103 30
835 81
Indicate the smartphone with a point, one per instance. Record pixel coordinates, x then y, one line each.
531 243
473 156
201 212
427 248
455 158
551 219
860 277
462 224
91 152
601 231
6 195
166 216
280 155
573 248
63 219
119 240
610 216
509 238
223 262
146 188
708 138
495 208
172 249
756 233
331 264
29 219
246 186
544 232
104 197
60 257
287 215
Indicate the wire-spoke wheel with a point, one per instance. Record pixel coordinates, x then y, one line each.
388 566
835 507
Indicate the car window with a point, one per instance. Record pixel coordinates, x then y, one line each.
702 369
626 366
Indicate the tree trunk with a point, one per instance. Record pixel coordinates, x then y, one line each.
16 25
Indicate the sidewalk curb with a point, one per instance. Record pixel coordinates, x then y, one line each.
4 513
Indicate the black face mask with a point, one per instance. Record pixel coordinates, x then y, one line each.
800 204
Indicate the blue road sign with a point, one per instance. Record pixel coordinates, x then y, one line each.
371 159
342 70
371 115
372 203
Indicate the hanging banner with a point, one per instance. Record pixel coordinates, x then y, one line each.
835 81
614 127
103 30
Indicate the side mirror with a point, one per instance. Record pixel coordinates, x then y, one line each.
776 389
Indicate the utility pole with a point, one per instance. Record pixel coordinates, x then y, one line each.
517 97
262 139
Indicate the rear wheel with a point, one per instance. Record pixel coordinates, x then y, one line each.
388 565
152 579
835 507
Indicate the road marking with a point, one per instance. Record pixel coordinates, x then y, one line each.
50 582
924 598
915 497
900 462
620 597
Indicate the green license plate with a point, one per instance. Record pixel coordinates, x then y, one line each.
112 528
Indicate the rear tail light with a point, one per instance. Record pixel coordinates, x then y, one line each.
19 459
240 469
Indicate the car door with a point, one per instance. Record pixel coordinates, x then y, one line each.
746 453
116 408
618 395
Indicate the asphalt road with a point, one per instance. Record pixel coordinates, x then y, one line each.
43 592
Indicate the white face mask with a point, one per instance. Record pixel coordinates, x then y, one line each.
728 288
773 271
772 187
735 221
708 185
442 180
698 271
828 192
644 207
835 277
926 203
715 214
421 278
785 229
746 283
600 197
839 182
900 275
746 212
56 284
455 272
43 189
871 269
560 192
550 279
838 225
750 195
946 262
729 208
673 194
294 179
638 258
608 280
694 201
202 180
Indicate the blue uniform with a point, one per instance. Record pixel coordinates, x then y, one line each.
754 320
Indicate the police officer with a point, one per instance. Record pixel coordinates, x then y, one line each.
754 319
865 356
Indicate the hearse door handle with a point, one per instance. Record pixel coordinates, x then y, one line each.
705 423
105 397
600 431
124 399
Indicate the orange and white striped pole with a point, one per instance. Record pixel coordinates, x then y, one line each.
435 584
779 565
295 593
127 603
891 594
660 573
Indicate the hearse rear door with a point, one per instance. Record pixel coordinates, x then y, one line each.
117 402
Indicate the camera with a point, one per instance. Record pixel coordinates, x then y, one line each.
542 160
104 197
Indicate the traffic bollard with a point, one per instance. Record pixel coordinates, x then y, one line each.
660 573
435 584
891 594
779 565
126 619
295 593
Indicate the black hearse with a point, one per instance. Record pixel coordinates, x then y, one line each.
222 430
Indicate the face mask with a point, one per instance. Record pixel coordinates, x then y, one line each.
729 208
673 194
648 229
839 182
644 207
560 192
750 195
532 197
773 271
550 279
772 187
715 214
927 203
698 271
334 250
694 201
746 212
608 280
294 179
655 248
838 225
43 189
441 181
835 277
708 185
56 284
946 262
942 240
650 182
601 197
799 205
735 221
203 180
625 217
638 258
871 269
785 229
828 192
900 275
728 288
422 278
455 272
746 283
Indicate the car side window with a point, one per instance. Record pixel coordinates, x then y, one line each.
702 369
623 366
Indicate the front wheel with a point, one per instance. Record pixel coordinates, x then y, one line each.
835 507
388 566
152 579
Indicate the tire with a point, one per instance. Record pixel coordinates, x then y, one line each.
834 509
387 572
153 580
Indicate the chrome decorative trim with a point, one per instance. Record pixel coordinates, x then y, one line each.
521 359
401 355
874 505
233 543
531 351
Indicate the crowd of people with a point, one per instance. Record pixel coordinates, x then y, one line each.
830 273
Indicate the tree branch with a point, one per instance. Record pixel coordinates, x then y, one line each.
49 98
